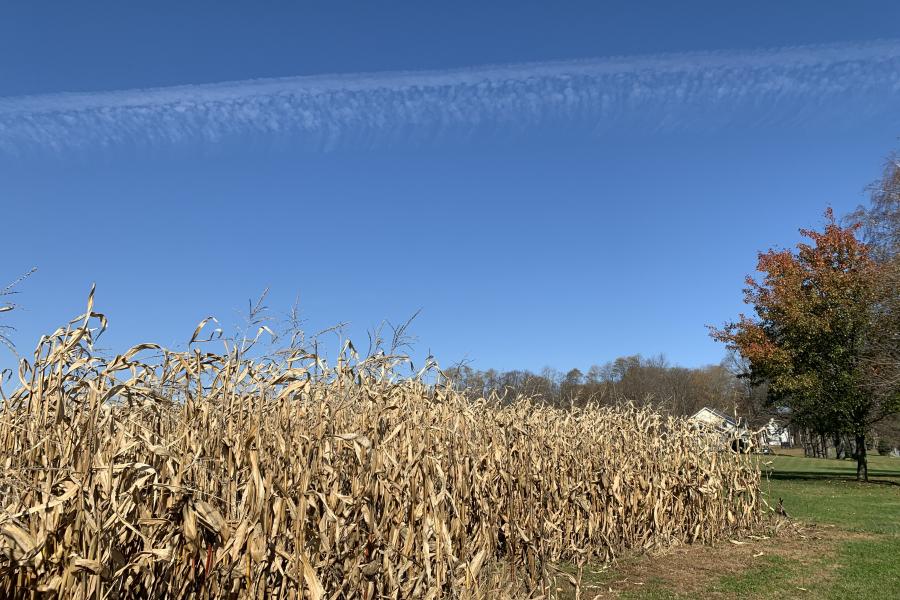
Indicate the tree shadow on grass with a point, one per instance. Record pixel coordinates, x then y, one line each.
876 476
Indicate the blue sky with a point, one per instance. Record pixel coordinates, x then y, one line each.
552 186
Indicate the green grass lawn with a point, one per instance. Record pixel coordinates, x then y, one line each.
825 492
848 545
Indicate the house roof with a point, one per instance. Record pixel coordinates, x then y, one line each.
728 419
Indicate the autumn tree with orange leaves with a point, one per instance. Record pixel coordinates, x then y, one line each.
815 311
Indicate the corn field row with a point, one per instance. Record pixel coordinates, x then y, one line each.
162 474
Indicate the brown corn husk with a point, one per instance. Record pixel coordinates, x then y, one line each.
161 474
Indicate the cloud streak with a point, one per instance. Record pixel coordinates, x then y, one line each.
838 84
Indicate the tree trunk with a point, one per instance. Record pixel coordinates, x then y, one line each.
862 465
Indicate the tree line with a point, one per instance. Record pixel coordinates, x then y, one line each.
638 379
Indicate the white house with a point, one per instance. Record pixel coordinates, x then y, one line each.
717 420
733 431
775 434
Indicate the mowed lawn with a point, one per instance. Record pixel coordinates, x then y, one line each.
844 542
825 492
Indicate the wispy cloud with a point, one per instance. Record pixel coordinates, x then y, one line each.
829 83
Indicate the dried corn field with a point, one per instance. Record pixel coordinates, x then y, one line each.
189 474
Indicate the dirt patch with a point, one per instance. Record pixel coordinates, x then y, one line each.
694 570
